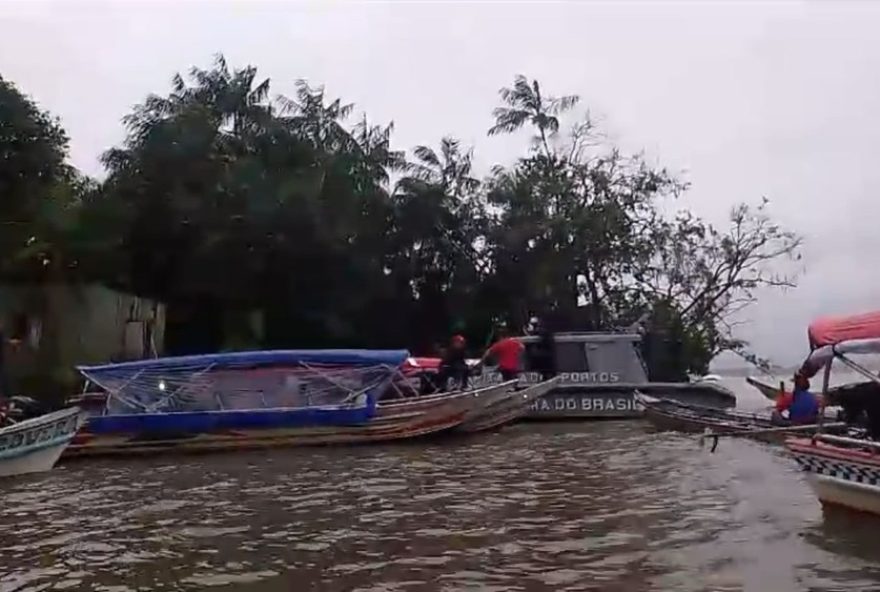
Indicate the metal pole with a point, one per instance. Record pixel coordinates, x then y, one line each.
848 441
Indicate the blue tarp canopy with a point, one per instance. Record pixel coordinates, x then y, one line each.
342 357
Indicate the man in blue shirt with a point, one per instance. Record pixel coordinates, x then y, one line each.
802 405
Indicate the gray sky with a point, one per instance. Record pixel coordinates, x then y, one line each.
747 98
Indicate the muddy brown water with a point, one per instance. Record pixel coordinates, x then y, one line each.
589 506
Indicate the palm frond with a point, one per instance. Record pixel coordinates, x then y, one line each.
559 105
508 120
427 155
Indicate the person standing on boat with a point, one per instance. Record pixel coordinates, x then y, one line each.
801 404
547 347
453 364
507 352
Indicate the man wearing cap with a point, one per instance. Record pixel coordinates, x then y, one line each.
454 364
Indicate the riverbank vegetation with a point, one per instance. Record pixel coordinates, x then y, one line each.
230 203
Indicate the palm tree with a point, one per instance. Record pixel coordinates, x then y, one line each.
230 100
526 104
373 145
450 170
319 122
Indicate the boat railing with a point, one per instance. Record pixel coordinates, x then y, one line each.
400 383
852 442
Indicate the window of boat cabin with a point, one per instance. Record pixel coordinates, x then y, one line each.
570 355
533 359
612 354
616 355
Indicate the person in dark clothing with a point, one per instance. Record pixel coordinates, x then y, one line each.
453 365
428 383
547 349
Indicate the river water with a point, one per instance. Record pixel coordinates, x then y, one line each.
590 506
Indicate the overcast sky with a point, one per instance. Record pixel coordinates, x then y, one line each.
747 99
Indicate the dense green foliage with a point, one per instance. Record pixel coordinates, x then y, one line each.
227 203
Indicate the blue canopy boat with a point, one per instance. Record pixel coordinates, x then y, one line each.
231 399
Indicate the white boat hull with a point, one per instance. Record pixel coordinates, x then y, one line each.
848 494
841 471
35 445
37 461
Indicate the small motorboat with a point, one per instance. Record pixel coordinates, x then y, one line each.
508 402
513 406
34 445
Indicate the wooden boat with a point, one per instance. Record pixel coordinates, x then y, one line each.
212 401
403 419
515 405
772 393
507 405
481 404
666 414
35 445
765 388
185 430
844 471
484 400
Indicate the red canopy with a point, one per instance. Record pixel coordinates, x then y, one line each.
834 330
423 363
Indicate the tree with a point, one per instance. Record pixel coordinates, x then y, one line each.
450 170
34 181
45 238
707 277
525 104
434 259
224 201
587 210
235 202
582 211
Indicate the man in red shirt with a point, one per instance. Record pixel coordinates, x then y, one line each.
507 353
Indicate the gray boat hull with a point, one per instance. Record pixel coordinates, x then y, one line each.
585 403
586 396
618 401
599 374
